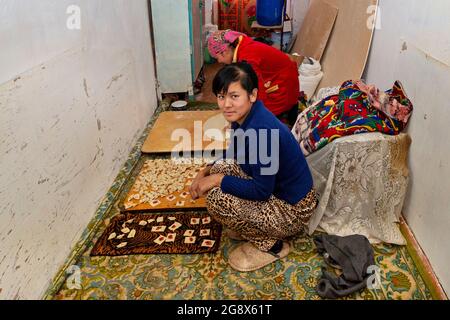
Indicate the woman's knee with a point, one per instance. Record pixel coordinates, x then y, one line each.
218 168
216 200
226 167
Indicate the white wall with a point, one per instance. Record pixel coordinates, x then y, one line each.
72 105
413 46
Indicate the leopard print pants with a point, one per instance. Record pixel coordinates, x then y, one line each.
260 222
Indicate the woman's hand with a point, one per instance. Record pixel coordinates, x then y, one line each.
202 185
194 186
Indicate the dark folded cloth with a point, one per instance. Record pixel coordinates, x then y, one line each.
354 255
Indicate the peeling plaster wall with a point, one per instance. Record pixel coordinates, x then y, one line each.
72 105
413 46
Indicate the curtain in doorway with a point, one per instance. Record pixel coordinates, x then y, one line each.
238 15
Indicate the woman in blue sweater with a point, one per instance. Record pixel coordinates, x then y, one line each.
262 190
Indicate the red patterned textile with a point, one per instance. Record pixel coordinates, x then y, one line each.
238 15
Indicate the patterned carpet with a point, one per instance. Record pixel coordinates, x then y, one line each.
208 276
167 277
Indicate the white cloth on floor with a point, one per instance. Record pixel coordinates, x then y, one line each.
362 181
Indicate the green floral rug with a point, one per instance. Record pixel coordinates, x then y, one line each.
208 276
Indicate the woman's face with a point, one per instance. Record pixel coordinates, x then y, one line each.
226 57
236 103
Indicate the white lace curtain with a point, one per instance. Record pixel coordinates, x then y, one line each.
362 181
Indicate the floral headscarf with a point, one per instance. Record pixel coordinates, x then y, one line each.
220 40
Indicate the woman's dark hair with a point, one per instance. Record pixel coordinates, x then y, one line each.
241 71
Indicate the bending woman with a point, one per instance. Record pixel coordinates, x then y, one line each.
278 77
262 191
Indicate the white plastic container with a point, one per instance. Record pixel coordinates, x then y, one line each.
310 76
309 84
180 105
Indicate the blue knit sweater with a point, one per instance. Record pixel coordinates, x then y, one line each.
272 158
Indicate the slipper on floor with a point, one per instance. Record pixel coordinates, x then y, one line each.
247 257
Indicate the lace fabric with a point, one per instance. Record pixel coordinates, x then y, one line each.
362 181
324 93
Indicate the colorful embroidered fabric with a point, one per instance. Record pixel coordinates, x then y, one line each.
349 112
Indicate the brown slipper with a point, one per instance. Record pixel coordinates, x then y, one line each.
247 257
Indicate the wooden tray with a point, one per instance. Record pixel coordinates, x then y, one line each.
165 203
159 139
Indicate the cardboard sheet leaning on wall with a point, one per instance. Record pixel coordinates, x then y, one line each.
346 55
316 29
338 33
